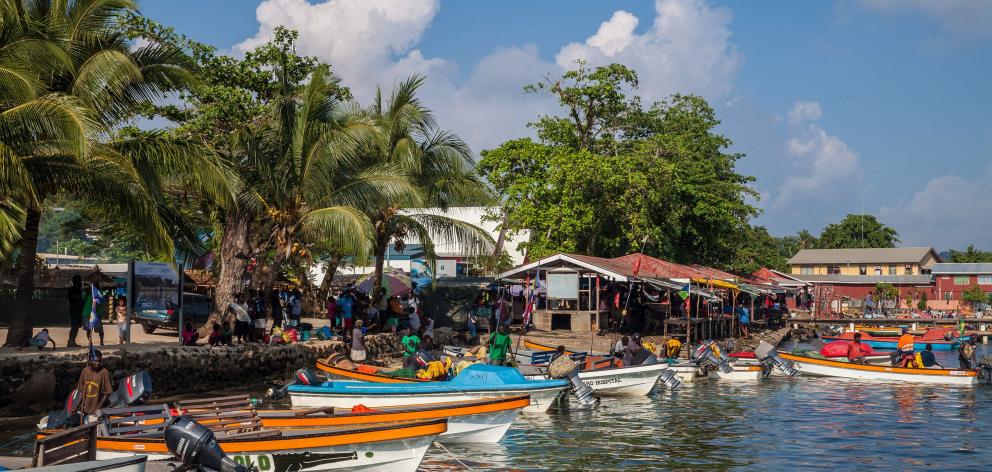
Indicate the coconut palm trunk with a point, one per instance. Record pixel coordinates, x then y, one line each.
21 323
330 269
234 249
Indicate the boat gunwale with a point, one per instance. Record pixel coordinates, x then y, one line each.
881 368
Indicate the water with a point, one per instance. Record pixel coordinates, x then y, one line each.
774 424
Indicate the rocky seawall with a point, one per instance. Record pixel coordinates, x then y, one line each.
41 383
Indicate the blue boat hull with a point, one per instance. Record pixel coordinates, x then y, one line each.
917 345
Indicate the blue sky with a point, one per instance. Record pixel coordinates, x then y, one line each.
875 101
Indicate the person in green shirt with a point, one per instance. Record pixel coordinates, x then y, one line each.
499 346
411 343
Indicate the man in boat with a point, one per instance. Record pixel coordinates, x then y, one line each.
904 349
855 351
559 351
672 348
618 348
927 358
633 351
94 383
499 346
966 354
411 343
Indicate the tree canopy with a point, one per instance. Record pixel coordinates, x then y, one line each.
857 231
970 255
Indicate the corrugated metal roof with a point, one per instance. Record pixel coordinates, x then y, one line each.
976 268
924 279
862 255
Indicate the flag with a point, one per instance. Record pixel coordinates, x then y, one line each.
97 298
637 266
684 293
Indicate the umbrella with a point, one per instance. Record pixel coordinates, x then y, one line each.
394 282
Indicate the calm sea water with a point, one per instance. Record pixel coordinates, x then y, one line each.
774 424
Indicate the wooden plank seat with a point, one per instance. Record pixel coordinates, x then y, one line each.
135 420
65 447
227 416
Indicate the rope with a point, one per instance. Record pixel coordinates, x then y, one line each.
452 455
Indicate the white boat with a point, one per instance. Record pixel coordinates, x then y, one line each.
475 381
830 368
740 372
635 381
686 371
122 464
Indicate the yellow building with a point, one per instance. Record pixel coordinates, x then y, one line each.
866 261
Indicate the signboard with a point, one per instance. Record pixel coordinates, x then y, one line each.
156 286
563 285
445 268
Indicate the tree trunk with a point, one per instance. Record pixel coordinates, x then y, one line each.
231 282
330 268
21 321
381 241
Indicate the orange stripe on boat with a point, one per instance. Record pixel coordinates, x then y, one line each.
354 374
386 416
881 368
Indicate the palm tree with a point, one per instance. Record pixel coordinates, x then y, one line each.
69 79
438 164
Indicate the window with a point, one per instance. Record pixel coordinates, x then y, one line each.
878 270
863 269
892 270
806 270
833 270
962 280
909 269
985 280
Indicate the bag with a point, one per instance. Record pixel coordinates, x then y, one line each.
324 333
305 326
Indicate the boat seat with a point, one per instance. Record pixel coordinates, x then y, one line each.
147 420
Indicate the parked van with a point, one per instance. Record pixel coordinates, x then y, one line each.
196 309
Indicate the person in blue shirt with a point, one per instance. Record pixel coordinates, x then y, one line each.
744 316
928 358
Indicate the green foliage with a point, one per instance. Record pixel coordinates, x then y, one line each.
609 173
971 255
858 231
922 304
886 291
974 295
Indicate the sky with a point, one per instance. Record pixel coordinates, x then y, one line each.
880 105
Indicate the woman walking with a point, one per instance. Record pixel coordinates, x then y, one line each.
123 322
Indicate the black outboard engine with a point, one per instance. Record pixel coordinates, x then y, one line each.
985 369
563 367
302 376
706 354
767 354
133 390
68 417
195 446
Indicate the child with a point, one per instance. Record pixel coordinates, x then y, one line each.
39 340
227 335
215 336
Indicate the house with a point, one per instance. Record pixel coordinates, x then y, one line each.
951 279
852 274
864 261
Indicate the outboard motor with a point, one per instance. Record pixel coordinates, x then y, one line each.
302 376
671 379
67 417
985 369
195 446
563 367
706 354
767 354
133 390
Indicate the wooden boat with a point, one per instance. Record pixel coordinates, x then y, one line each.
484 420
636 381
122 464
831 368
919 342
376 447
475 381
364 373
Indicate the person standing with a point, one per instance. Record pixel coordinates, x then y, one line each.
357 343
966 354
276 305
904 348
411 344
123 323
331 305
90 310
470 323
242 319
499 346
75 296
94 384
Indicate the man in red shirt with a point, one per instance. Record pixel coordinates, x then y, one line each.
855 353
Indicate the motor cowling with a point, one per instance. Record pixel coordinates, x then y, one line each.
302 376
67 417
767 354
708 354
563 367
196 447
985 369
131 391
670 379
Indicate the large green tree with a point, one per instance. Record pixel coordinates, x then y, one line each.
858 231
609 172
971 255
71 79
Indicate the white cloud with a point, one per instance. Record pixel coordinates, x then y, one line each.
371 44
687 49
959 18
805 111
950 212
823 162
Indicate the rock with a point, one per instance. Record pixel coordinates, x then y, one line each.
40 385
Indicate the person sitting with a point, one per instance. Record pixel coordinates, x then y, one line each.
927 359
856 351
618 348
189 335
39 340
411 343
904 349
216 336
227 334
559 351
672 348
632 351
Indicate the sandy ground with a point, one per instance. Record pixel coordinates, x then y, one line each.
139 340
